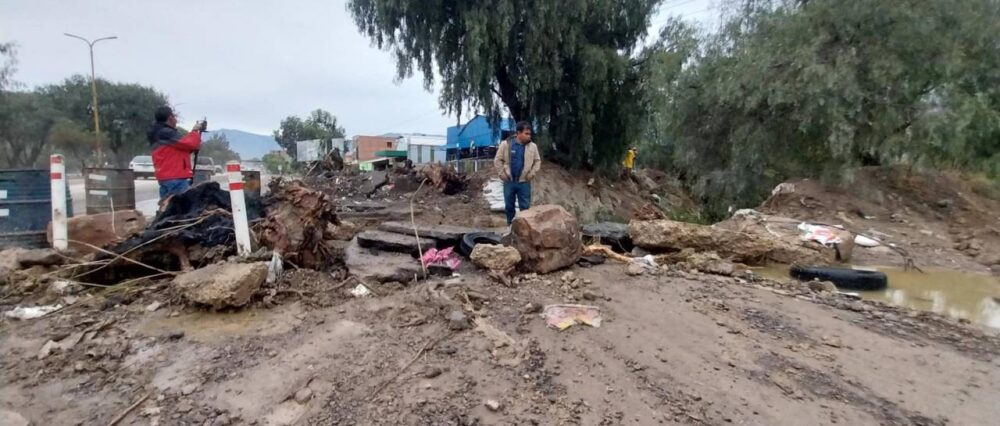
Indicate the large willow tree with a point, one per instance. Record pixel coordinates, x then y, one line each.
568 66
792 88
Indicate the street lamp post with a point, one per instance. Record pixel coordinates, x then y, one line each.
93 93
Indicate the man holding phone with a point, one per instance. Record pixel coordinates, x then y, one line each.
172 152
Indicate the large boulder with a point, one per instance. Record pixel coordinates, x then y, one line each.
743 247
548 238
102 230
495 258
222 284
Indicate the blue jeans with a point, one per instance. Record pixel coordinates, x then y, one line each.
173 187
521 190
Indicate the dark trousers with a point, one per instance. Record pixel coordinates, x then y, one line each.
522 192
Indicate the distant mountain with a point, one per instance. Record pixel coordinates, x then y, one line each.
247 145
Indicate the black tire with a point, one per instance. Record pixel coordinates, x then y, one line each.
471 239
851 279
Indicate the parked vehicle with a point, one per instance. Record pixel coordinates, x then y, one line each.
142 166
206 164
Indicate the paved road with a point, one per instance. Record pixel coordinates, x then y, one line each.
147 195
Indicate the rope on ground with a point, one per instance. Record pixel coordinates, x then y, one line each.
424 348
128 410
413 222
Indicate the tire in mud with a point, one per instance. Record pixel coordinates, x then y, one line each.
843 278
471 239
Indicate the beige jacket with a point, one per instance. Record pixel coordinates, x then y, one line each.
532 161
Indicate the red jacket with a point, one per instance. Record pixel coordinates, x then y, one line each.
172 152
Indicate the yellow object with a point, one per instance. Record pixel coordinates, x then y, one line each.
630 159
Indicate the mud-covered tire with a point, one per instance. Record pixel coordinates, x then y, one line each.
843 278
471 239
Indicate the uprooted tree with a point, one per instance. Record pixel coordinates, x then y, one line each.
569 67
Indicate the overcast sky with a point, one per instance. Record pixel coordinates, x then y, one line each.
243 64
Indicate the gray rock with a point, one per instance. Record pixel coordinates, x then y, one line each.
495 257
12 418
392 242
379 179
458 321
634 269
446 234
493 405
381 267
303 395
222 284
822 286
39 257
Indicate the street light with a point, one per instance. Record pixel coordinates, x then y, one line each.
93 92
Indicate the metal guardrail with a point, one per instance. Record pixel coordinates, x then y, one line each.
472 165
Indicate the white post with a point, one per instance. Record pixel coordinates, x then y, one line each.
240 224
57 174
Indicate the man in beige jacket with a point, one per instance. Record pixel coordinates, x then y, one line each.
517 162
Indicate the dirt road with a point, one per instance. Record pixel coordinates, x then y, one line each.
677 348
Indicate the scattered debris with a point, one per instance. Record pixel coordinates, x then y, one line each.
548 238
446 235
495 258
361 291
380 267
493 405
152 307
564 316
458 321
493 193
275 267
614 235
222 285
31 312
378 180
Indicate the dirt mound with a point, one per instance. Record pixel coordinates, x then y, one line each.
943 219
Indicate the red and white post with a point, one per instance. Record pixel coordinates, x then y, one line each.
57 174
240 224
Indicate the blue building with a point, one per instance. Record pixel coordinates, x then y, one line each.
477 134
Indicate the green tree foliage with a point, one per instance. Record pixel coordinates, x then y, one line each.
814 89
276 163
25 121
319 124
217 148
126 111
74 141
569 66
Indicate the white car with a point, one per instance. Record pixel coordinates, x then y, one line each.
142 166
206 164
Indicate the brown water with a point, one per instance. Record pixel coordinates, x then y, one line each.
956 294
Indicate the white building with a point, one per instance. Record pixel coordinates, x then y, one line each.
423 149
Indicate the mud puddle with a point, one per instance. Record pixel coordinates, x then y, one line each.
956 294
208 326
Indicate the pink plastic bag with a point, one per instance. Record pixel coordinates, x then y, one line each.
444 257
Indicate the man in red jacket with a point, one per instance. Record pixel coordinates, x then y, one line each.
172 152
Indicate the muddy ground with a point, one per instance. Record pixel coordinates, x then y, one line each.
675 348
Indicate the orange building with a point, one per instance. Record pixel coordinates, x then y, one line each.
368 145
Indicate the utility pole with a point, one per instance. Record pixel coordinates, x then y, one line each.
93 93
